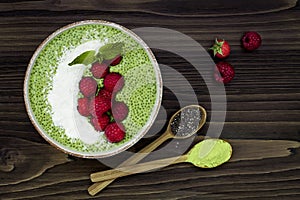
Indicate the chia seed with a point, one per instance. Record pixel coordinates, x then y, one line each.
186 122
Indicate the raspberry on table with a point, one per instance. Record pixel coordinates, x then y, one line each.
224 72
251 40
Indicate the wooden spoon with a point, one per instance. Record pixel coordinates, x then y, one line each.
168 134
208 153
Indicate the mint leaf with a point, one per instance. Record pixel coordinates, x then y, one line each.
99 58
111 50
85 58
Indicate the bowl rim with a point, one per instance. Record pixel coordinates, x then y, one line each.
146 127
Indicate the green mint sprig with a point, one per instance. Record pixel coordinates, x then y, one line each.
106 52
85 58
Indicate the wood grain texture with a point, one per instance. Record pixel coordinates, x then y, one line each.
262 156
22 160
188 8
263 101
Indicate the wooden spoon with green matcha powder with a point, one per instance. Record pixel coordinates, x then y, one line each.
183 124
208 153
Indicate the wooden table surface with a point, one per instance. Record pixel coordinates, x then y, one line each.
263 108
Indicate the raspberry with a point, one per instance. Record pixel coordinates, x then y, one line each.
83 106
116 60
224 72
115 132
251 41
99 105
113 82
119 111
99 70
100 123
88 86
105 93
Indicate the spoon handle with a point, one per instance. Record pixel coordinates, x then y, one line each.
147 149
97 187
135 169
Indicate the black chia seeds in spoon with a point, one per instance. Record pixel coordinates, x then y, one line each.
186 122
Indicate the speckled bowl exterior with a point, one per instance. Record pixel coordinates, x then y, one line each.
138 136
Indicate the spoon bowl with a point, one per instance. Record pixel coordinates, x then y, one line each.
208 153
191 118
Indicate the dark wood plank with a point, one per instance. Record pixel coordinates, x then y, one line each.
263 101
22 160
188 8
260 153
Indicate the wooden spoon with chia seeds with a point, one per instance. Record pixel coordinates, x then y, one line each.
183 124
208 153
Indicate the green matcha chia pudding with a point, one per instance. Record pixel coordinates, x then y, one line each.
51 88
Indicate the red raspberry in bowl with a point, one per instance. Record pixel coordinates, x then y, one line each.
119 111
115 132
105 93
224 72
99 70
251 40
115 61
83 106
100 123
113 82
99 105
88 86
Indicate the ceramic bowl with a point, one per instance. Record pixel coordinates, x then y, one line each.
51 88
